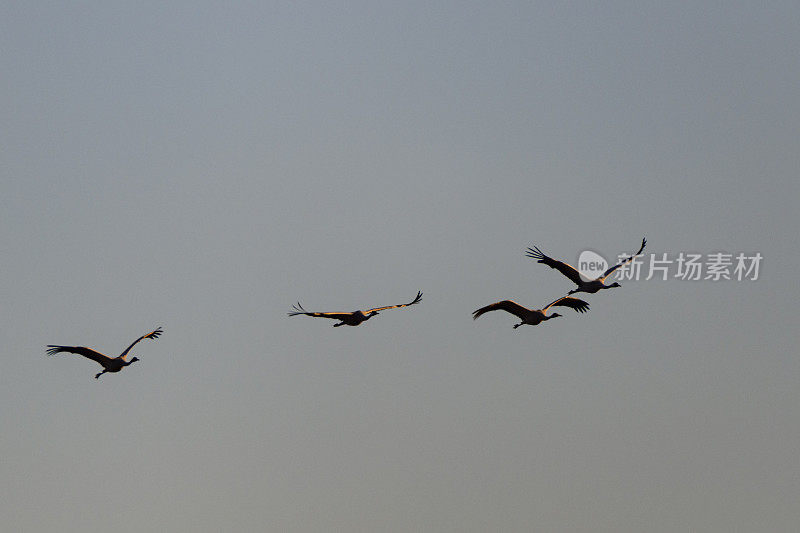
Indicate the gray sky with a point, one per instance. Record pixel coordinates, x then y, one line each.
202 166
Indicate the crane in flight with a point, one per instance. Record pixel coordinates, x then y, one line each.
591 286
532 317
351 319
109 364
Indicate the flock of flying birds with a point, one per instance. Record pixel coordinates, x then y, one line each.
531 317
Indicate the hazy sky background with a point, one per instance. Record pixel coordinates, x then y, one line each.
202 166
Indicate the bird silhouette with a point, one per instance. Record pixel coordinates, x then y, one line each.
351 319
589 286
109 364
532 317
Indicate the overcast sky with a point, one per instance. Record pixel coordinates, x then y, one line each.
202 166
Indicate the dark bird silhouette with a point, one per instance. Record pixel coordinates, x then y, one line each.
351 319
109 364
532 317
590 286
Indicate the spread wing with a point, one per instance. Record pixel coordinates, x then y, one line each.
80 350
152 335
568 270
612 269
416 300
298 310
506 305
568 301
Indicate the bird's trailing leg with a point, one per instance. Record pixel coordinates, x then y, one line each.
100 374
518 325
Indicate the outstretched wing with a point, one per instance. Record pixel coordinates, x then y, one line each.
80 350
416 300
298 310
568 270
506 305
152 335
568 301
612 269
